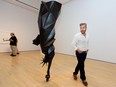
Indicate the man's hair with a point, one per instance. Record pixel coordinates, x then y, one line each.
12 33
83 24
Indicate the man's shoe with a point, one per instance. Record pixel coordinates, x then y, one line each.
12 55
17 53
84 82
74 76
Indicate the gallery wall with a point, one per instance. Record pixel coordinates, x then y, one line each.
100 15
21 21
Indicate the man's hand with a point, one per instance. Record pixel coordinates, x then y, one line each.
3 39
80 51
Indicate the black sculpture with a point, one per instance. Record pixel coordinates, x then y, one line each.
49 12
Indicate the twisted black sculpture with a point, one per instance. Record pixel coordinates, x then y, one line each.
49 12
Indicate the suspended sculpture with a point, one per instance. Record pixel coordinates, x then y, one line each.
49 12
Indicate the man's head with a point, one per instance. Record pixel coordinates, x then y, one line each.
83 28
12 34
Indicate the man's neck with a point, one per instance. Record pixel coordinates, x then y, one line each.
84 34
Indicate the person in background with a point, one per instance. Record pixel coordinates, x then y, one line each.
80 43
13 44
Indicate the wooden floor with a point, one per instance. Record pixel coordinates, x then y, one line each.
25 70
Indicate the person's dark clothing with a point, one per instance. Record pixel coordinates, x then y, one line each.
13 41
80 66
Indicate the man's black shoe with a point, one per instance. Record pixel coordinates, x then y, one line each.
12 55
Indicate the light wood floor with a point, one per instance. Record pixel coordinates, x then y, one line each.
25 70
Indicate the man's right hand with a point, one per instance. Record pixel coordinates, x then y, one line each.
80 51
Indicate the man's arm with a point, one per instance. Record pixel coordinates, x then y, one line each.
75 42
6 39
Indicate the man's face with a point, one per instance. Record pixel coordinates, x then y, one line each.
83 29
11 35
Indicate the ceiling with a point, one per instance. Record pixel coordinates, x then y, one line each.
61 1
32 5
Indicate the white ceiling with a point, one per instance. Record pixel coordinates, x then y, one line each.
61 1
32 4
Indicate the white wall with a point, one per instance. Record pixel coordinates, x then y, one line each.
100 15
21 21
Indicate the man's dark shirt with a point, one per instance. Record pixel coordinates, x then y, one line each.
13 41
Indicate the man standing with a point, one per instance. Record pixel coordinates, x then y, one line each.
80 44
13 44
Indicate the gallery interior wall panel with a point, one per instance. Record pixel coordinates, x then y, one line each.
100 17
22 22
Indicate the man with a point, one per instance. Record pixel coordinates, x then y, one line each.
13 44
80 44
